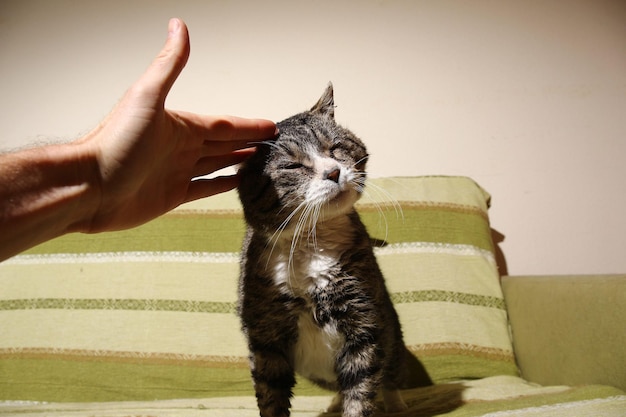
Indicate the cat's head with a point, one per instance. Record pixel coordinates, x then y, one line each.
314 167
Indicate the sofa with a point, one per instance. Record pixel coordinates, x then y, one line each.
143 322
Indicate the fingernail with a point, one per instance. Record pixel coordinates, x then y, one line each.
173 26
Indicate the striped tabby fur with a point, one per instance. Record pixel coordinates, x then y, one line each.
312 298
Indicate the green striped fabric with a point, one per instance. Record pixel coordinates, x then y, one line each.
149 313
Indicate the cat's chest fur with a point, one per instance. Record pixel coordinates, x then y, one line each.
311 262
304 270
301 271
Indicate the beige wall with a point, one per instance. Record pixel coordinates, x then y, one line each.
526 97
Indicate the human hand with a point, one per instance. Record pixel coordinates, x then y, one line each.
146 156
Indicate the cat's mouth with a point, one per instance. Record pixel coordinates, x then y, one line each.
333 199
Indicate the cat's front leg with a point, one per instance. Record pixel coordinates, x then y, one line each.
392 398
359 375
273 379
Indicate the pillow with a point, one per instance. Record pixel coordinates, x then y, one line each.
439 263
149 313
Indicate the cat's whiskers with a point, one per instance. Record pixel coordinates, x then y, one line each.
387 199
365 158
312 235
382 214
297 234
305 231
281 228
300 225
307 215
358 180
380 200
310 225
270 143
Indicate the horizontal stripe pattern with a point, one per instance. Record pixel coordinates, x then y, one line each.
151 312
124 257
409 209
102 355
168 233
212 233
435 248
409 247
444 322
480 397
428 349
144 331
219 334
465 349
194 306
395 209
186 306
448 297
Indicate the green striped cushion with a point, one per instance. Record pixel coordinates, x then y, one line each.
149 313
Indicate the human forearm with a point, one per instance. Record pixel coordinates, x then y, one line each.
139 163
44 193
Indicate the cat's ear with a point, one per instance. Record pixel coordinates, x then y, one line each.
326 104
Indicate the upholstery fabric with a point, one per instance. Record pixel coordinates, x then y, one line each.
581 315
149 313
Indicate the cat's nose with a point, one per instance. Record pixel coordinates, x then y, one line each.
332 174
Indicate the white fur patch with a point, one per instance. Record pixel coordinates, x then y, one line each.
307 267
298 268
316 349
306 270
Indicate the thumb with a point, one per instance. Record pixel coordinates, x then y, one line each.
168 64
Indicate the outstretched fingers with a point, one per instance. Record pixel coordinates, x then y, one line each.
226 128
208 165
220 148
170 61
233 128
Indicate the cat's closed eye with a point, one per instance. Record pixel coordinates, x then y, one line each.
293 165
337 152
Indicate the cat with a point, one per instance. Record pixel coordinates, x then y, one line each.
312 299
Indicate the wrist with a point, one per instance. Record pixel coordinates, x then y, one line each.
85 179
80 185
46 192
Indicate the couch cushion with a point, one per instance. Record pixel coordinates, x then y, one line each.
499 396
149 313
582 315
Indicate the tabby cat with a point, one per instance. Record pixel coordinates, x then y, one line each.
312 298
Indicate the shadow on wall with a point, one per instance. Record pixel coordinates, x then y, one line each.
498 238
